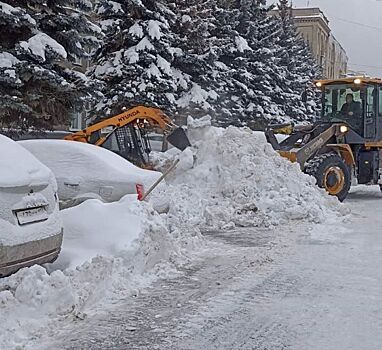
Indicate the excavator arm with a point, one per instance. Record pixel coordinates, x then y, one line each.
136 116
134 120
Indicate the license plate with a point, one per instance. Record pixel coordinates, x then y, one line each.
31 215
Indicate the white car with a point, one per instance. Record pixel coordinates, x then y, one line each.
85 171
30 223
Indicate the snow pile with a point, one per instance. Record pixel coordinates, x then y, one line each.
232 177
95 228
113 248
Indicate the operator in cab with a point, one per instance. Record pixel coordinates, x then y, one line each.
352 111
351 108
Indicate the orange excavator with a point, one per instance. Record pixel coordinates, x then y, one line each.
127 133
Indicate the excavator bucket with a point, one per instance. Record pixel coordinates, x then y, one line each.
179 139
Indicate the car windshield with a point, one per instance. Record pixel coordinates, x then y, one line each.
340 102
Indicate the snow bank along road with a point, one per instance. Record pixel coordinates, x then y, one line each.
258 289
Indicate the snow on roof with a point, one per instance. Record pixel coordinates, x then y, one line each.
19 167
39 43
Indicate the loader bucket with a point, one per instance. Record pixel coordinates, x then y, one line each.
179 139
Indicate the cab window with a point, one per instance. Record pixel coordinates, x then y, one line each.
334 104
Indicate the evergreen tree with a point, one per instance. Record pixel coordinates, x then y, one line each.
192 28
296 58
38 40
136 62
251 63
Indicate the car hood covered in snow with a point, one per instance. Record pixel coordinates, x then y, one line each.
19 167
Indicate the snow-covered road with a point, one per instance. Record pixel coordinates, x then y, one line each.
298 288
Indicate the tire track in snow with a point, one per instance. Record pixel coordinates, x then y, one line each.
160 316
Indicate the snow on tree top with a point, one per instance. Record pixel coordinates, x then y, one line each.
145 44
186 18
164 65
115 7
10 10
136 30
39 43
197 95
132 55
7 60
242 44
105 24
154 71
137 2
154 29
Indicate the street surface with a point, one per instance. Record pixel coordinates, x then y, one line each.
290 288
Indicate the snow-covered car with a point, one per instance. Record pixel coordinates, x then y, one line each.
30 223
84 171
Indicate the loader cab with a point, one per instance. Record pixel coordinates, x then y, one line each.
356 101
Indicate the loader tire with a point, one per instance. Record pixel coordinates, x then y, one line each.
331 173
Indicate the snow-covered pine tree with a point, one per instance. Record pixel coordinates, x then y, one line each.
252 65
227 50
136 62
295 56
38 40
193 25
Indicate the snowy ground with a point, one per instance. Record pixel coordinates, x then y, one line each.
306 287
240 229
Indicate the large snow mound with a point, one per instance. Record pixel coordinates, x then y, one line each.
232 177
117 249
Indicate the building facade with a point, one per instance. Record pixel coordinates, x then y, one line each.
314 27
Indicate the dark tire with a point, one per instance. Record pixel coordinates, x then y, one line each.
331 173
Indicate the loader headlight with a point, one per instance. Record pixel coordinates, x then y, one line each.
343 129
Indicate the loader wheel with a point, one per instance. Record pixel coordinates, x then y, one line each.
331 173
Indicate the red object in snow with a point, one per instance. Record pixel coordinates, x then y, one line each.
140 191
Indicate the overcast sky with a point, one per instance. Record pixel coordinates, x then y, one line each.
362 43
